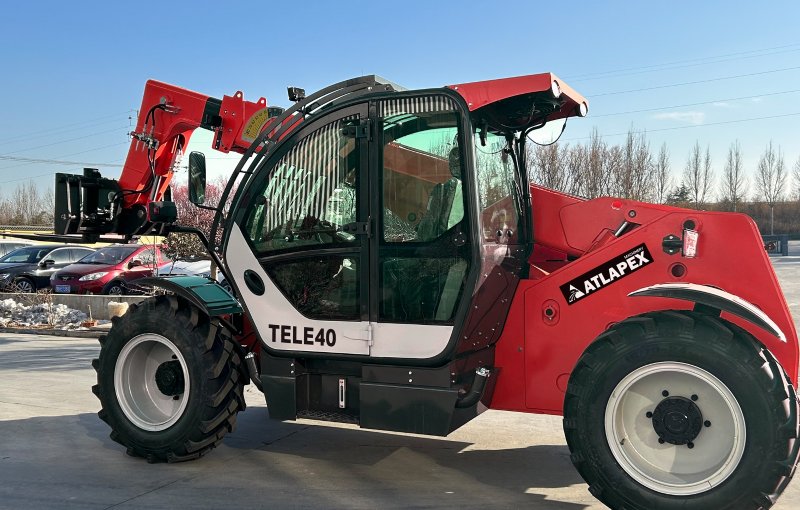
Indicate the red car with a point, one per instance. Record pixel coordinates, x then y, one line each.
109 270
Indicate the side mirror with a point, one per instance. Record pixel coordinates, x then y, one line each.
197 178
47 263
134 263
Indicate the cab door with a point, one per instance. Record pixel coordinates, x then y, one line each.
298 251
422 250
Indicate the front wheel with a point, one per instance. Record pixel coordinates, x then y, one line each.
114 288
24 285
680 410
170 383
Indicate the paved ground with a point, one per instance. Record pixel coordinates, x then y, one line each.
55 452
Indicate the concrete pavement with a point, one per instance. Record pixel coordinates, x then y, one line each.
55 452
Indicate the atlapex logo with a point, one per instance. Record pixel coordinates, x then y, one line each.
606 274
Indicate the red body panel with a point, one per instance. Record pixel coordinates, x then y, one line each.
481 93
539 353
242 121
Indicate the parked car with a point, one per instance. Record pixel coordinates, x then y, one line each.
192 268
29 269
109 270
9 246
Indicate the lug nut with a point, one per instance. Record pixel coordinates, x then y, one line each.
690 445
661 440
649 414
707 423
694 398
665 393
175 397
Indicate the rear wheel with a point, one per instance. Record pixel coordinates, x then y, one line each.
170 383
680 410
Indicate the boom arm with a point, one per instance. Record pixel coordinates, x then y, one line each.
91 205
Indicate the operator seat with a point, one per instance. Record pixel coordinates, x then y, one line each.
445 204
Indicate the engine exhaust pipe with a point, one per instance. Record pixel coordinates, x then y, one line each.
476 391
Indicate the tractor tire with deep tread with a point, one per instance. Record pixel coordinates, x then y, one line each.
615 413
164 350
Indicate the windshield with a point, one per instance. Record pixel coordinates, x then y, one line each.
112 255
29 255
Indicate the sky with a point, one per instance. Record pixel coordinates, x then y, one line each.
72 73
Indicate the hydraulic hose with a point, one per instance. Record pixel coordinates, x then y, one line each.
476 390
252 369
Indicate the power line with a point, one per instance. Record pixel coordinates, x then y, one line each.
684 66
695 82
30 177
696 104
68 140
696 60
690 127
56 161
43 132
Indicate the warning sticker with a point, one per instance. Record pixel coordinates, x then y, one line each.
254 125
606 274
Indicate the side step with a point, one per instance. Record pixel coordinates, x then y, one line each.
327 416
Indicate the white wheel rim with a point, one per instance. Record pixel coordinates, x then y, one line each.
138 394
668 468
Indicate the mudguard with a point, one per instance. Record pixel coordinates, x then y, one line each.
715 299
206 294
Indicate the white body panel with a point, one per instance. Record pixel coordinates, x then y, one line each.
272 312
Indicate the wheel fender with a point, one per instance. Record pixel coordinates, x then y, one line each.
712 299
207 295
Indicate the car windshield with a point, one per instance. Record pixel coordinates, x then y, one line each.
111 255
28 255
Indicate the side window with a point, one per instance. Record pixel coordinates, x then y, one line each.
60 256
147 257
320 287
495 179
422 193
78 254
310 196
309 202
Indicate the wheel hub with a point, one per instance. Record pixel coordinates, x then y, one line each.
169 378
677 420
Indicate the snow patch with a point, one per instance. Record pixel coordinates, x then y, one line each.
14 314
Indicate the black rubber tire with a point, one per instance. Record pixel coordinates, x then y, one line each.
758 382
28 281
216 372
115 283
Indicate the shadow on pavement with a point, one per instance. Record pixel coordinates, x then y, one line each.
274 464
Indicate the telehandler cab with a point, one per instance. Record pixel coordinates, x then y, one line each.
392 266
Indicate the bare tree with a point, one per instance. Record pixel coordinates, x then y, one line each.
577 162
734 184
698 176
663 178
596 181
634 176
27 205
548 166
771 180
796 179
